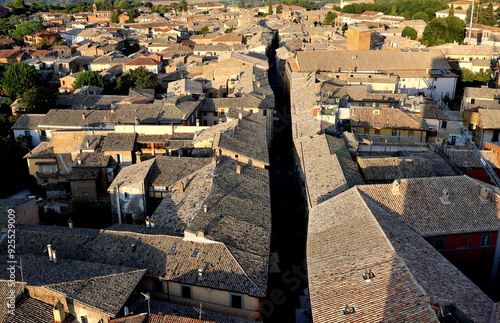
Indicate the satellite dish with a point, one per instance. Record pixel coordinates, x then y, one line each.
126 311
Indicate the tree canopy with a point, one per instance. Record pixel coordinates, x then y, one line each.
330 18
19 78
409 32
139 78
88 78
420 15
27 28
444 30
37 100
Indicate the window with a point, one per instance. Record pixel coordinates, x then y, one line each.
222 112
204 113
186 291
473 100
205 123
119 158
463 242
485 240
215 114
172 251
126 195
410 134
440 244
366 131
195 252
27 133
251 111
495 135
236 301
444 124
264 113
377 131
394 133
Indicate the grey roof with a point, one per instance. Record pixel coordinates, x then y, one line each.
410 275
44 150
246 136
7 290
385 169
152 252
74 118
131 174
168 170
117 141
239 215
177 110
30 310
327 167
80 173
105 287
375 60
28 121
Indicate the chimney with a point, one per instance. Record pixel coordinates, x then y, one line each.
205 208
70 223
258 84
49 251
200 234
240 115
197 122
83 115
181 187
54 256
445 196
87 144
152 222
238 169
484 194
395 188
148 223
200 274
137 120
58 311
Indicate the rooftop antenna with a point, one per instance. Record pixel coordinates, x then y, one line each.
471 17
200 312
148 298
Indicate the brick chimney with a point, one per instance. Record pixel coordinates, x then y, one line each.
58 311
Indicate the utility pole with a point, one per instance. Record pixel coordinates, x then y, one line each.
471 17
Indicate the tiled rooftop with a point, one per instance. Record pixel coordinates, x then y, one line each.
384 169
420 206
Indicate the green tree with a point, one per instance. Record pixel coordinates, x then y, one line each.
394 10
88 78
182 6
270 7
229 30
455 31
19 78
114 17
18 4
451 13
435 29
139 78
241 4
409 32
124 5
37 100
330 18
488 16
27 28
204 30
279 9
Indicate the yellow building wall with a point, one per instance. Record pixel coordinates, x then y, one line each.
215 300
402 136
